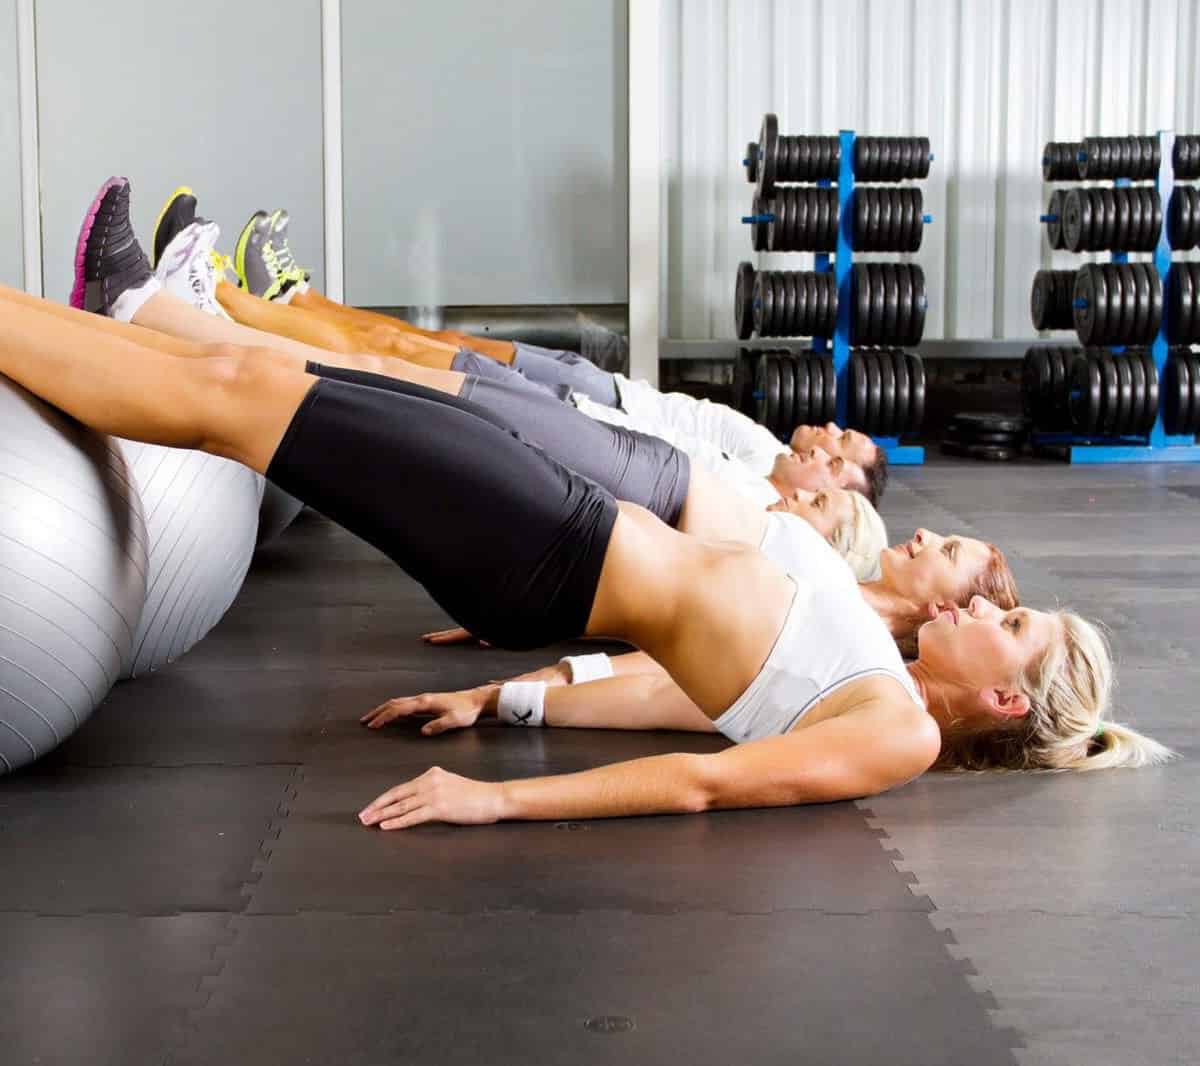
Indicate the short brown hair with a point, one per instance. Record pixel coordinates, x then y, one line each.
996 582
876 473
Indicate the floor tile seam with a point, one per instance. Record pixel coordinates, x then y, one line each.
206 985
644 912
962 965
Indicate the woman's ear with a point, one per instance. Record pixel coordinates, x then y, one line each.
1005 702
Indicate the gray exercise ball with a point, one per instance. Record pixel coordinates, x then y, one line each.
72 573
201 520
277 511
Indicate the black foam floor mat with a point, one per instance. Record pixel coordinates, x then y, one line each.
601 987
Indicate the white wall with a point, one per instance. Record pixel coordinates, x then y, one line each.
988 81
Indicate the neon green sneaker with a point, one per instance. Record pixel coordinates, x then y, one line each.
263 259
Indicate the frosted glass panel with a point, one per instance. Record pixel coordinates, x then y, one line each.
223 96
10 158
485 151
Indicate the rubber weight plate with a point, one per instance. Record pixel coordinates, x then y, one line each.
1124 424
743 301
903 406
1152 391
828 390
874 393
887 393
1085 394
750 162
916 378
785 417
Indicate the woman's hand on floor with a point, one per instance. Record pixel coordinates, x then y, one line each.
447 710
436 796
452 636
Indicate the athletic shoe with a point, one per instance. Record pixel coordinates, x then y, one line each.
177 214
190 267
263 260
108 259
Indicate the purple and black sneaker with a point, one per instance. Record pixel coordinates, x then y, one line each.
108 259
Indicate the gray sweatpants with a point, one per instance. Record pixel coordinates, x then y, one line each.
561 372
632 466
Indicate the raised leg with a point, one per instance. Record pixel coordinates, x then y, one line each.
313 301
235 404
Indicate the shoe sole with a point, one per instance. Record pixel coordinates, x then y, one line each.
239 251
183 190
79 291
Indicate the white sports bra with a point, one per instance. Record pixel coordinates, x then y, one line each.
829 638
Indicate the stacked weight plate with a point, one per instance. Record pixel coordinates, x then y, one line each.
887 391
788 389
988 436
1089 390
792 214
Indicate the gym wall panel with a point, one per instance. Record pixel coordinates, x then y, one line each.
11 270
988 81
223 96
485 152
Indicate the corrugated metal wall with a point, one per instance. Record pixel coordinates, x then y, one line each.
988 81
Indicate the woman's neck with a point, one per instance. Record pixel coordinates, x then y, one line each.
899 614
943 700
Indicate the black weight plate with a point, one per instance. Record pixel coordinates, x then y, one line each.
1123 423
1077 219
785 417
1176 392
1087 393
801 402
1104 209
812 302
920 303
1156 217
904 303
780 208
987 422
878 301
1122 232
1140 212
1179 219
1040 299
891 301
859 390
749 362
1152 391
860 315
1059 377
1006 440
874 392
814 371
826 304
756 302
779 285
887 219
1137 406
1085 306
903 405
1179 314
887 393
828 390
1030 386
772 392
1143 303
916 378
1156 301
758 230
1108 407
985 452
787 322
743 300
769 316
1192 425
1122 296
1054 225
751 162
862 212
768 143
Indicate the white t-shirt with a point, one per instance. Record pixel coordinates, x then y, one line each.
721 426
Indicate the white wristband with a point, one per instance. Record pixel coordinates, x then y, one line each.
522 703
588 667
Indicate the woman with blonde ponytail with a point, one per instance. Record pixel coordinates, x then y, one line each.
1066 727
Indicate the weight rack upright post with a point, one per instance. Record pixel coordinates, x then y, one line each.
1161 446
898 454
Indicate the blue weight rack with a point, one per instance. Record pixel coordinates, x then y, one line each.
842 266
1158 446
